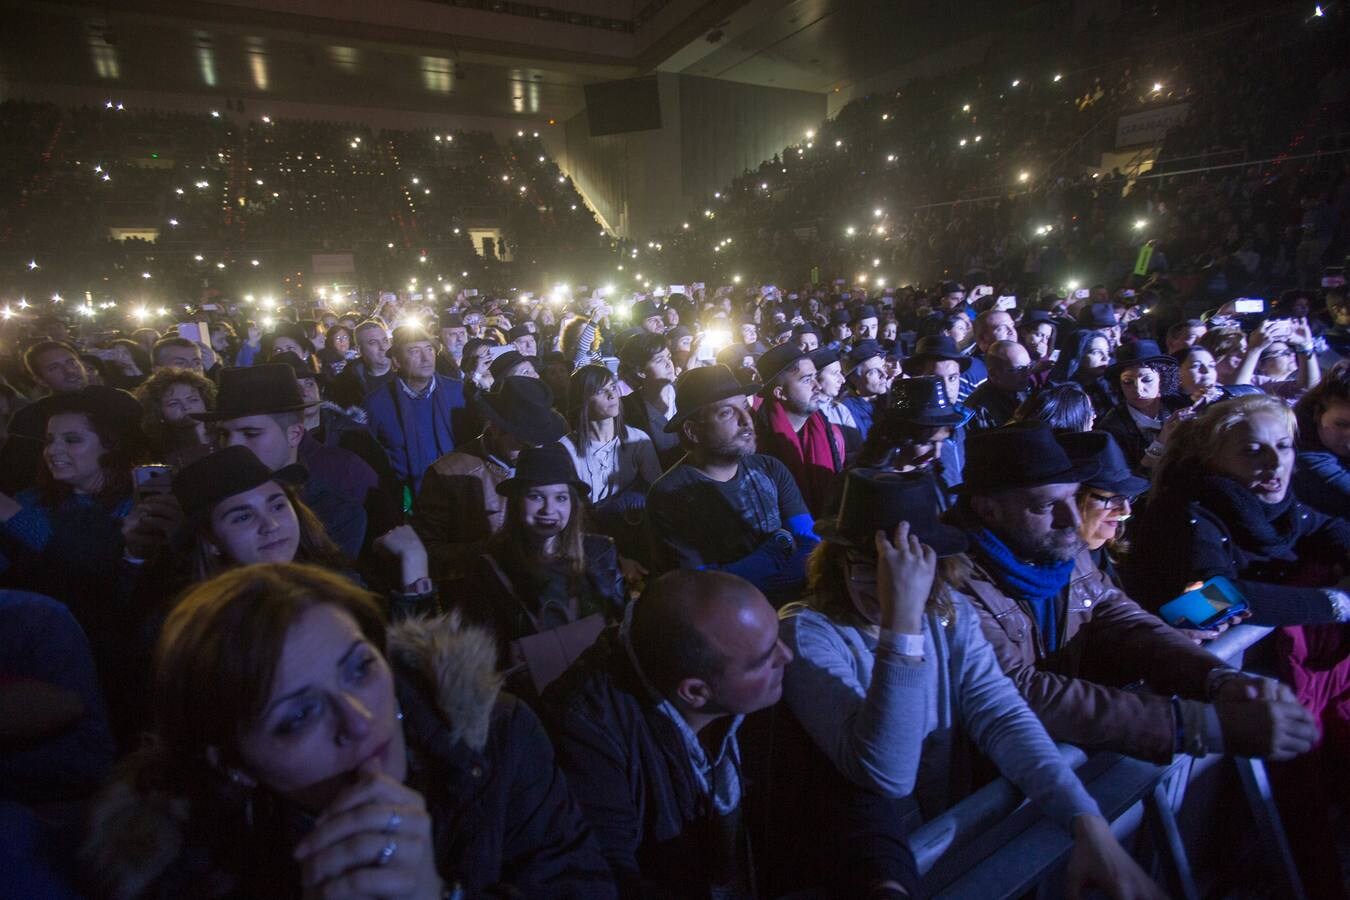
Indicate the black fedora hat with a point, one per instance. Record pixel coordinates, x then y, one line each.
255 391
1098 315
1137 355
861 352
935 348
301 368
922 401
548 464
774 361
200 485
840 317
697 388
1113 473
879 500
824 357
523 408
1020 455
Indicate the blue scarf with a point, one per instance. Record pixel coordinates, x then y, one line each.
1035 585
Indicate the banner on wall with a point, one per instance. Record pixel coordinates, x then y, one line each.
1149 127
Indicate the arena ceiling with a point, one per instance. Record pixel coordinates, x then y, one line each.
467 57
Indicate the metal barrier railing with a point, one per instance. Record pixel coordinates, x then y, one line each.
996 844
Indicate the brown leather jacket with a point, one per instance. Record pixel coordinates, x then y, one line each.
1109 642
458 508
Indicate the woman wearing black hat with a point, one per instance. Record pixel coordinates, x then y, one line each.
1105 500
237 513
542 572
1148 397
63 538
889 665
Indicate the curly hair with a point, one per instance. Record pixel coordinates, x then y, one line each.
151 396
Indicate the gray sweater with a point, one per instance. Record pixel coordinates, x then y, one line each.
889 723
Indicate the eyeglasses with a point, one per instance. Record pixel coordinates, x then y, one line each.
1111 501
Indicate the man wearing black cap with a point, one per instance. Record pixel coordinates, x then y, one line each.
867 381
792 428
865 323
458 506
524 339
937 355
414 416
648 315
261 408
453 338
724 506
1071 641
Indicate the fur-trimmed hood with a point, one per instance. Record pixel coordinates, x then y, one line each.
136 832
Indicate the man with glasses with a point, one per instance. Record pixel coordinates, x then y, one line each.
1008 384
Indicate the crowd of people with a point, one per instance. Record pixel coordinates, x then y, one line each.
531 594
716 590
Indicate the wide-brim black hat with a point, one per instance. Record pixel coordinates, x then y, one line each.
1113 472
202 484
879 500
697 388
548 464
523 408
923 401
255 391
1138 355
776 360
507 361
1020 455
935 348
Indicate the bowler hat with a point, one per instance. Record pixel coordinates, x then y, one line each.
806 328
922 401
1020 455
645 309
824 357
200 485
506 362
776 360
301 368
861 352
523 408
548 464
1098 315
840 317
697 388
935 348
255 391
879 500
1114 473
1137 355
866 311
518 332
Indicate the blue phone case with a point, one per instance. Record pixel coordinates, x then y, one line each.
1214 602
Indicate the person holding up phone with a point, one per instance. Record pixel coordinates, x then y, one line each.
1281 359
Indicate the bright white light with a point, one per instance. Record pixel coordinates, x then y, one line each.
978 137
850 231
1317 11
267 120
1140 224
1023 176
877 212
198 257
416 180
961 143
965 108
220 265
890 157
1016 82
839 143
875 262
885 117
763 185
178 191
32 264
254 262
1058 78
56 298
145 274
215 114
810 134
736 279
1072 285
1157 87
173 222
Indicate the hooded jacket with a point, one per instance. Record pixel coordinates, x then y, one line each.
504 821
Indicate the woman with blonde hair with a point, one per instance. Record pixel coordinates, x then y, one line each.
301 748
1223 505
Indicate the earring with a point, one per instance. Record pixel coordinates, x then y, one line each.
399 715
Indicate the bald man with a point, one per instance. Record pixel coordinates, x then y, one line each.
1008 384
646 725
